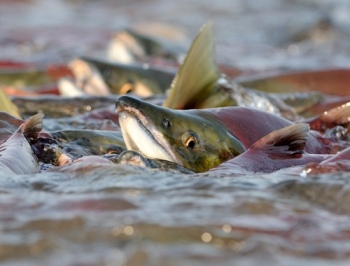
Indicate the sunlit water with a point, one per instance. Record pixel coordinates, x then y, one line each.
126 215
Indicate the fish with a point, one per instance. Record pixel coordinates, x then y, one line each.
200 139
29 79
16 155
82 142
308 92
144 42
131 157
99 77
55 106
282 148
199 84
337 163
7 106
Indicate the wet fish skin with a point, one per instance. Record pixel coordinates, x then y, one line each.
80 142
202 139
8 125
190 138
135 158
16 155
46 150
59 106
279 149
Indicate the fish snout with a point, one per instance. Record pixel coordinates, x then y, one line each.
127 101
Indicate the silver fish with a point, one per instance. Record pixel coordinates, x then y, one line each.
16 155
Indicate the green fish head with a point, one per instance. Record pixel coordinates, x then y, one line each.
191 138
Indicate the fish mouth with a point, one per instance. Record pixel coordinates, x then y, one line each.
141 135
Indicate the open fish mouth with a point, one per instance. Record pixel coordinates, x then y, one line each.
141 135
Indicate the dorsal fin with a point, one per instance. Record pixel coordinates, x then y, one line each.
32 126
7 106
198 73
289 140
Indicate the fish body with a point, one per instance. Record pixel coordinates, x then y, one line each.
249 125
277 150
337 163
147 41
199 139
134 158
102 78
16 155
89 142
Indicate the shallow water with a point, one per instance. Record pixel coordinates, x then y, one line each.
127 215
123 215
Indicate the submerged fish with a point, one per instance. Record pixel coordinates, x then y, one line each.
58 106
200 139
134 158
82 142
16 155
337 163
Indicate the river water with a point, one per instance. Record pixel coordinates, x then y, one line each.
127 215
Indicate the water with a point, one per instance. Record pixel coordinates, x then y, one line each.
123 215
126 215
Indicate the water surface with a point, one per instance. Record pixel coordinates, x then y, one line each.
127 215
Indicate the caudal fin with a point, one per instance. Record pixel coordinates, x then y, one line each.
198 73
32 126
290 140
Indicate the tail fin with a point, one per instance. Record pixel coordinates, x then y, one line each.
290 140
32 126
198 73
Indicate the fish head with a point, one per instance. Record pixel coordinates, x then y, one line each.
191 138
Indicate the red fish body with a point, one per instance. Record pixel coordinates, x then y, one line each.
249 125
201 139
280 149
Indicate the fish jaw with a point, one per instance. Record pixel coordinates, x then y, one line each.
142 136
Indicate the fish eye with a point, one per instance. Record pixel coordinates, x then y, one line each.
191 142
166 123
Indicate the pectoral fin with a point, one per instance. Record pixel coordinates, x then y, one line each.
290 140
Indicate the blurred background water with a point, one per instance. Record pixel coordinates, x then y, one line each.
249 34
